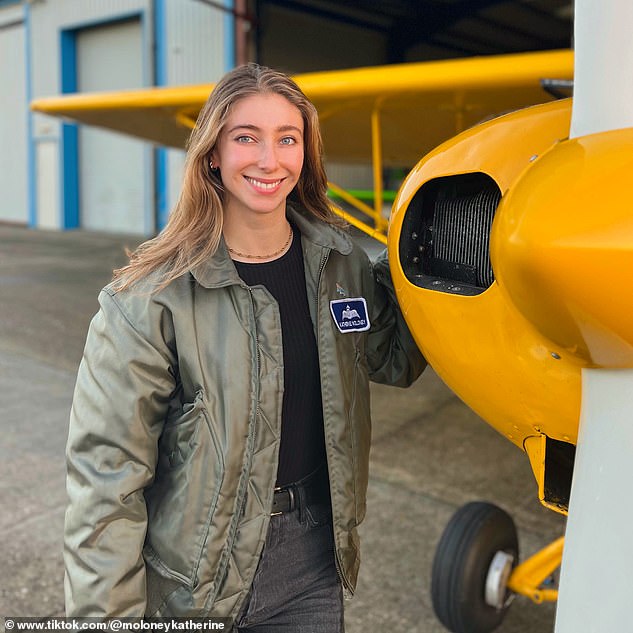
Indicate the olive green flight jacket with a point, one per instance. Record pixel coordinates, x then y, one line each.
175 426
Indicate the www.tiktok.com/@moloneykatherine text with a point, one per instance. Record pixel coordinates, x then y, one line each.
117 625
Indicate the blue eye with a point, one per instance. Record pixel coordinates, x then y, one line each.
244 139
288 140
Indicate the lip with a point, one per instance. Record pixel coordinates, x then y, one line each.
264 185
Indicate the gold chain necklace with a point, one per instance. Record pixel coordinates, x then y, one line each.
271 256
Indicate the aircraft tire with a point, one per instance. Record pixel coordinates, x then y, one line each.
474 534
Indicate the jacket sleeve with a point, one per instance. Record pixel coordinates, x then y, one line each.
123 388
392 355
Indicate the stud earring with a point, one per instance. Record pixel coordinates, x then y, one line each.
212 165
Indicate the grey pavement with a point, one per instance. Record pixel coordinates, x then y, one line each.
430 453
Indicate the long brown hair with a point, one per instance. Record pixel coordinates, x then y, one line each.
194 228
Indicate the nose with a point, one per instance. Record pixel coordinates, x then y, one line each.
268 159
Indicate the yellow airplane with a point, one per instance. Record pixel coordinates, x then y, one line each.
468 251
390 117
511 247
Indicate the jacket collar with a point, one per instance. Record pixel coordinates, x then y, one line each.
219 269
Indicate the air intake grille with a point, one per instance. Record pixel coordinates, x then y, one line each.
445 241
462 229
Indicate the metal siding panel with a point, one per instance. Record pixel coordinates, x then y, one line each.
47 189
31 174
14 205
195 36
175 171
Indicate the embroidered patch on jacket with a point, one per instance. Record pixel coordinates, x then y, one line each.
350 315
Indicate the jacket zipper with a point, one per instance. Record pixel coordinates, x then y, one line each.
251 433
249 441
250 292
337 563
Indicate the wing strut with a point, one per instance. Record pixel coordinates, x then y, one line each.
376 155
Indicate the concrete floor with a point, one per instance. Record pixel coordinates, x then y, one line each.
430 453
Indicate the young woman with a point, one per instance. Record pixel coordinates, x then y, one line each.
219 436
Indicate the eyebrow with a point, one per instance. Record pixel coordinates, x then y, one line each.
281 128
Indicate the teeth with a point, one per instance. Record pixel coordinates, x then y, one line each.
263 185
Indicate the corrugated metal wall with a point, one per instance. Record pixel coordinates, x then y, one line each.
182 41
13 117
195 38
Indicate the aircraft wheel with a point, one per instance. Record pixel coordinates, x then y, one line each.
473 560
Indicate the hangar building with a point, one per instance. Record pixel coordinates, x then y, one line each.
56 175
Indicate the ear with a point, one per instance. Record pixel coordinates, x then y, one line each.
213 160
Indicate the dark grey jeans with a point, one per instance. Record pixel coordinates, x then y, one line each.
296 588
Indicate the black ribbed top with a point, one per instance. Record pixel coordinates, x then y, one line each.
302 443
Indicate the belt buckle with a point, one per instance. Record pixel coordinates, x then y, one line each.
291 495
276 514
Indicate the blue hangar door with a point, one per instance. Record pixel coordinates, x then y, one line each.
114 187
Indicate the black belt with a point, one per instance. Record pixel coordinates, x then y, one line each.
313 489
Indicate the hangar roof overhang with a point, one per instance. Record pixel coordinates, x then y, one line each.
453 28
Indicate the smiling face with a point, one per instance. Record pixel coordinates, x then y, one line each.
260 154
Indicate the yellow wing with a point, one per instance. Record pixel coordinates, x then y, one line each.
420 104
383 116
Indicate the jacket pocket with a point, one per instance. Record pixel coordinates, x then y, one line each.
182 500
